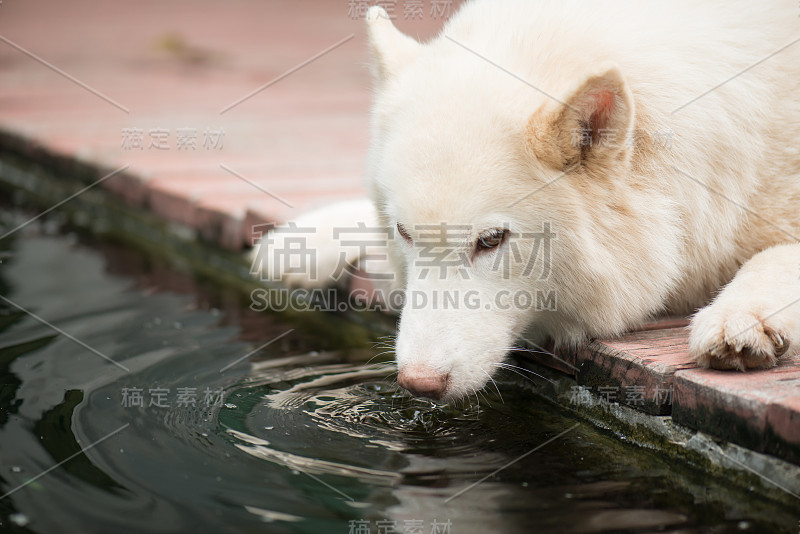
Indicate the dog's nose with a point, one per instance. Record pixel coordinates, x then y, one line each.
423 381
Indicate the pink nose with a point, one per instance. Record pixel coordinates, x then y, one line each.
423 381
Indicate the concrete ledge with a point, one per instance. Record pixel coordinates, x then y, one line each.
650 370
754 472
757 409
641 366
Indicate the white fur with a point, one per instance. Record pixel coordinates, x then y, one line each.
460 138
328 254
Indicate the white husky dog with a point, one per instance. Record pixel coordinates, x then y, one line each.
567 170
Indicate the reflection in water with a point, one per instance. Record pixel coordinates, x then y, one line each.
306 435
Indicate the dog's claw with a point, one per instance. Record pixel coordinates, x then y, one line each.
753 348
781 346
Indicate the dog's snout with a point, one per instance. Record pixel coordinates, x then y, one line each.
423 381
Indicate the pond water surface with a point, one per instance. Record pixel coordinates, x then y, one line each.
136 398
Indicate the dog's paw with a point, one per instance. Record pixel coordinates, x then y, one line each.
729 337
320 248
306 260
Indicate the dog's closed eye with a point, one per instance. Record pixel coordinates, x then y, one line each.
487 240
491 239
404 233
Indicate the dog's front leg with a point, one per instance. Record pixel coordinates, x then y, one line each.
756 318
321 247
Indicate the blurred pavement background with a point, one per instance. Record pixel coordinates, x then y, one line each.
161 86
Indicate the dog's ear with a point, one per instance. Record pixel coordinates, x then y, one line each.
591 126
391 48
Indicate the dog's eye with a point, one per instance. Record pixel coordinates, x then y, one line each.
402 231
491 239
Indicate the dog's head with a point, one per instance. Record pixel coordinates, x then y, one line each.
486 179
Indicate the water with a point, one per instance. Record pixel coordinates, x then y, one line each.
188 431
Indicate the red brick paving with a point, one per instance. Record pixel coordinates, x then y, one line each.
650 370
758 408
641 365
177 64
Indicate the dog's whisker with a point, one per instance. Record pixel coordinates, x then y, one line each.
494 383
381 354
531 351
516 369
483 394
468 401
